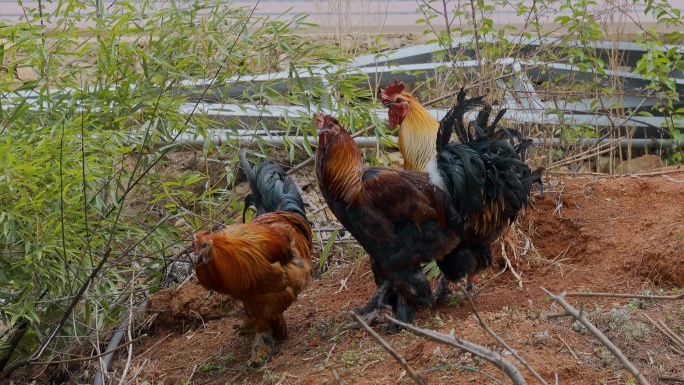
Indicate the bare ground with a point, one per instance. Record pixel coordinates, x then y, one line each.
601 234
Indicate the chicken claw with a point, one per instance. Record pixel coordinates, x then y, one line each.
376 301
264 348
443 292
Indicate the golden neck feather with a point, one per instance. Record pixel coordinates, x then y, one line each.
340 168
418 136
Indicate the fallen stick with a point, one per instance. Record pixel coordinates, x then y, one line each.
486 354
499 339
672 337
617 295
560 299
415 376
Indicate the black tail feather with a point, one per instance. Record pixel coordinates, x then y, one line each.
454 118
272 189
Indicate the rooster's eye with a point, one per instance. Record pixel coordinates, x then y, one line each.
399 100
330 125
204 245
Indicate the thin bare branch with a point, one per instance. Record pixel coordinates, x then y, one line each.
82 359
415 376
560 299
569 349
666 331
450 339
617 295
498 339
337 377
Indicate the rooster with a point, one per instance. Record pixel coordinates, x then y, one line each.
507 191
402 218
265 263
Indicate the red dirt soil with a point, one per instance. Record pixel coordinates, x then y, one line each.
600 234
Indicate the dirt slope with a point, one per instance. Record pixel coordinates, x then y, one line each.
616 234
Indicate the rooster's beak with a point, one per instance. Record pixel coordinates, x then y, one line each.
388 105
195 257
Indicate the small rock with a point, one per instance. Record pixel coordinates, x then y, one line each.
640 164
27 74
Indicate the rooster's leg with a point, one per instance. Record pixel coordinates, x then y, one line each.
443 291
405 313
372 312
470 286
263 348
377 300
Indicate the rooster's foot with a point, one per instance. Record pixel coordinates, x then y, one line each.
264 348
369 318
391 328
377 301
443 292
471 288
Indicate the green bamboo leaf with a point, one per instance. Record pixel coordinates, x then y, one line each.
327 247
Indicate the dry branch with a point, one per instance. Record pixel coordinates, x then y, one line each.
617 295
91 357
415 376
666 331
450 339
337 377
560 299
499 339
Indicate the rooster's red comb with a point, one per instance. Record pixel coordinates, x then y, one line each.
320 120
323 120
390 92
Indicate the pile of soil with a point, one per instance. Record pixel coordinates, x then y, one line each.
597 234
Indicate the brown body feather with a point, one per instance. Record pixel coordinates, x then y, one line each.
398 216
265 264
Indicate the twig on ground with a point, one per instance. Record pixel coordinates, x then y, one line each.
672 334
510 265
417 378
337 376
285 375
558 315
462 367
666 331
325 362
588 154
91 357
560 299
363 370
129 357
617 295
151 348
499 339
671 378
450 339
663 172
567 346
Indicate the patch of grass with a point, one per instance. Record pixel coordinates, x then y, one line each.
269 377
349 358
455 301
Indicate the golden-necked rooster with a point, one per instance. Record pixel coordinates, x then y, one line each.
264 264
402 219
509 179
